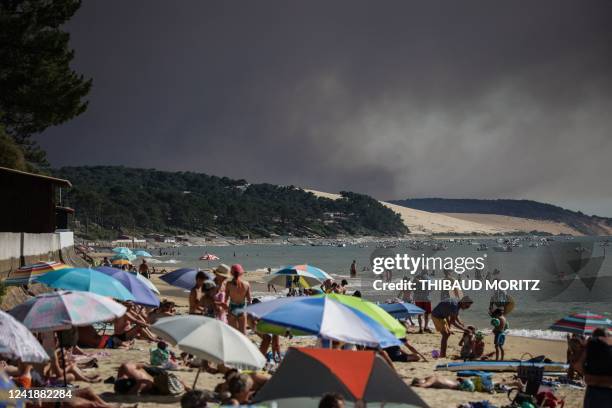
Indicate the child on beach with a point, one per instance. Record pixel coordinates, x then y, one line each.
500 325
467 343
479 346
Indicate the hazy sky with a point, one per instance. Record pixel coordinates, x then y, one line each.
397 99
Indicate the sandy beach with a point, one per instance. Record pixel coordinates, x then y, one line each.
425 343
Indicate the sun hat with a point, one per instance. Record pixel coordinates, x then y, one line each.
222 270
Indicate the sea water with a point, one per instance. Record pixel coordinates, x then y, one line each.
532 314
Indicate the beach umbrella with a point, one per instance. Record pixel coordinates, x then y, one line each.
18 343
61 310
28 273
147 282
122 250
86 280
120 262
356 375
127 257
581 323
328 319
143 253
211 340
183 278
7 384
142 293
401 310
373 311
308 275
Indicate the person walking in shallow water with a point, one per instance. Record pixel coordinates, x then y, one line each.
354 269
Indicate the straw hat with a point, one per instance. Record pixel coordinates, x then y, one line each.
222 270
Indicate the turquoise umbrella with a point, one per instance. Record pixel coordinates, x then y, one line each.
122 250
86 280
127 257
143 253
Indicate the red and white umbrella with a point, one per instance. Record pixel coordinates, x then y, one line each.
209 257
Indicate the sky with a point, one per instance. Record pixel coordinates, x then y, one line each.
396 99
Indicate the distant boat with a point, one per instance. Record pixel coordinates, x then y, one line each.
502 248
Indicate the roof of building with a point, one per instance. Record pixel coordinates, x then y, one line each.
58 181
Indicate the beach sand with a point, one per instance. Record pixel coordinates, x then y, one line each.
425 343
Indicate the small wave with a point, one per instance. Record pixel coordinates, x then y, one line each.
171 261
537 334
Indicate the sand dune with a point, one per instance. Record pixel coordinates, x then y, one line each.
423 222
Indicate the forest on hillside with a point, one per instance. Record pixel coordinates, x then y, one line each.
112 199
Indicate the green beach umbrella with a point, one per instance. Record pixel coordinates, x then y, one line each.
372 310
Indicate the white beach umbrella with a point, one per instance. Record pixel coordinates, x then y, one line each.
18 343
210 339
147 282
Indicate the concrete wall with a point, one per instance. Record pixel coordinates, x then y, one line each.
18 249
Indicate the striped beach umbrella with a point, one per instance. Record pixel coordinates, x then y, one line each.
29 273
308 275
581 323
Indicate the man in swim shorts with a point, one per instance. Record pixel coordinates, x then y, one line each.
445 315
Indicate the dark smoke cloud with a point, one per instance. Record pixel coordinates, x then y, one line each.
394 98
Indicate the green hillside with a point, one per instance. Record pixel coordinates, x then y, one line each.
109 200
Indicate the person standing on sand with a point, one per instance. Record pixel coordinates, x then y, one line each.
445 315
422 299
237 297
106 262
354 269
196 294
222 274
143 269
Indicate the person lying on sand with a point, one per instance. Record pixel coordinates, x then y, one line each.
138 378
258 378
89 337
439 382
84 398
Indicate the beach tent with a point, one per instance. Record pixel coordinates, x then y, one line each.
581 323
357 375
29 273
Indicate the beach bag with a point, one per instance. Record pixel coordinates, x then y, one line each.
483 383
168 384
531 376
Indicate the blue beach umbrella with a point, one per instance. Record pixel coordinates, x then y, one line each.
328 319
143 295
143 253
122 250
183 278
401 310
86 280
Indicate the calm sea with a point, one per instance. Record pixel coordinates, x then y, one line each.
534 311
